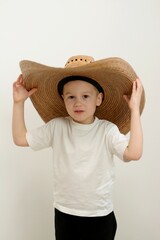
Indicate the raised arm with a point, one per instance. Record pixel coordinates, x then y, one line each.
20 94
135 145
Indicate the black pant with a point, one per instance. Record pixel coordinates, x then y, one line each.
69 227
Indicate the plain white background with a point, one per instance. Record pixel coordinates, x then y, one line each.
49 32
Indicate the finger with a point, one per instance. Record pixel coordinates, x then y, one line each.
33 90
126 98
138 80
139 85
20 77
17 83
134 86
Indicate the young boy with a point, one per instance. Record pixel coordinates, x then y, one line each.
83 149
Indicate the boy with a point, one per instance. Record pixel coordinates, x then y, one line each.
83 149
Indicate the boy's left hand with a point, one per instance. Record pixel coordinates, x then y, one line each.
135 98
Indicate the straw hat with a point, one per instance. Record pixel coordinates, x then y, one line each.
114 75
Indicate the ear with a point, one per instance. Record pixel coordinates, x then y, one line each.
99 99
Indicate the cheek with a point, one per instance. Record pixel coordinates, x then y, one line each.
68 104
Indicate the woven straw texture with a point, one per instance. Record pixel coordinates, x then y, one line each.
115 76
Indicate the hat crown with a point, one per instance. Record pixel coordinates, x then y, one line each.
78 60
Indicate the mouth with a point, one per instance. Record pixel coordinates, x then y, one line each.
78 111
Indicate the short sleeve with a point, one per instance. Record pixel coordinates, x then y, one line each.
117 142
41 137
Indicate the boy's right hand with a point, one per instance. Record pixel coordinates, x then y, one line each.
20 94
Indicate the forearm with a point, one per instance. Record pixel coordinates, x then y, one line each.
18 125
135 145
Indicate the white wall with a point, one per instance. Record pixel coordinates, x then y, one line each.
49 32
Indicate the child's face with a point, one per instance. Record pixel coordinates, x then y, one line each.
81 99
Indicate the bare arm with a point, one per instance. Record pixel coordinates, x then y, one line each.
135 145
20 94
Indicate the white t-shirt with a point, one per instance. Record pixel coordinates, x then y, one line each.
83 165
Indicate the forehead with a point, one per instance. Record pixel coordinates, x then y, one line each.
79 85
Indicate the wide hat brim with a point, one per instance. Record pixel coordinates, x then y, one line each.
115 76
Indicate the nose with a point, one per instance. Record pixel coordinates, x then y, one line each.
78 102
